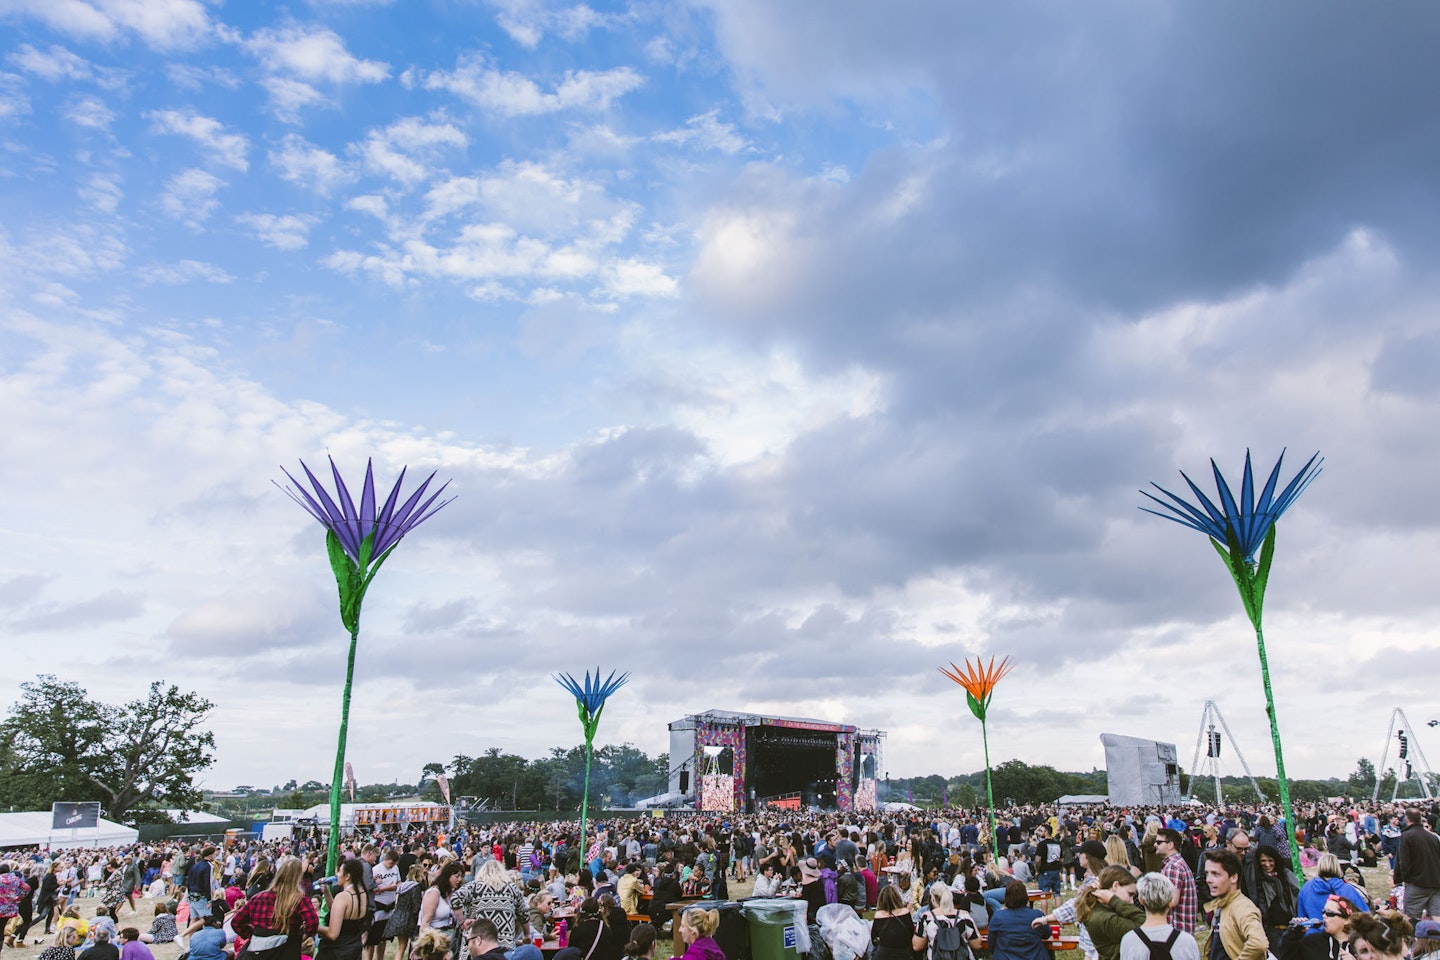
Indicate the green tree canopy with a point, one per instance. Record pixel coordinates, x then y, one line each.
58 743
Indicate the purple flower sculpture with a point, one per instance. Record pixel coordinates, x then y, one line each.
358 540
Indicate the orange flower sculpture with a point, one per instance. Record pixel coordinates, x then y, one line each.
979 680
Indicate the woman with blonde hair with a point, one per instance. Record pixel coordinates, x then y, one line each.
697 932
430 945
494 896
277 920
64 946
942 914
1116 854
1153 861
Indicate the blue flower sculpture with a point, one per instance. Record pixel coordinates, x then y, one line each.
590 697
1237 529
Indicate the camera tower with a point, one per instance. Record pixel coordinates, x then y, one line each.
1400 733
1210 739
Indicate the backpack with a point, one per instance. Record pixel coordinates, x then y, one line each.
949 944
1160 951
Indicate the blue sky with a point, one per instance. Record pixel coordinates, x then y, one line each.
777 355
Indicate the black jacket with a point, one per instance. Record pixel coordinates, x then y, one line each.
1418 860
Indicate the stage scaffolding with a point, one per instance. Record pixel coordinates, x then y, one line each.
709 764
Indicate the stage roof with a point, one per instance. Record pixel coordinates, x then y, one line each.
757 719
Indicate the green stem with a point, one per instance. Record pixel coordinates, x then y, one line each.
332 857
585 801
1279 756
990 792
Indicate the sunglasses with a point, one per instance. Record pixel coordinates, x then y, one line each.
1333 913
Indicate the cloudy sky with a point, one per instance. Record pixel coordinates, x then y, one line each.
777 353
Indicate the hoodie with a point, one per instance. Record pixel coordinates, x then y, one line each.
1317 889
703 948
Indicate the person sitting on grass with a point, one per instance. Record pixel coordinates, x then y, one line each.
162 928
131 946
64 946
210 942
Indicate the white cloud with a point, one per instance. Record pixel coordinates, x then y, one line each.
102 191
184 271
527 21
13 100
284 232
288 96
163 24
227 149
371 203
399 150
636 278
56 64
513 94
90 112
301 163
527 195
190 196
191 77
707 132
314 54
71 251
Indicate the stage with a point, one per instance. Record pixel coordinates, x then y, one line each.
724 761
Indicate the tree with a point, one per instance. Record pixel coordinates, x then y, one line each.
60 744
1362 781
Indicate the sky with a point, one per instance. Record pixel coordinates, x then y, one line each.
775 353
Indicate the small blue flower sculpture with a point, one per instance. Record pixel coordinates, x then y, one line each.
1237 529
590 697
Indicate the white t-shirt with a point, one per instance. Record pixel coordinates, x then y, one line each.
386 875
1132 946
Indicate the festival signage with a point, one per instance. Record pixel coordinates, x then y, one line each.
384 816
74 816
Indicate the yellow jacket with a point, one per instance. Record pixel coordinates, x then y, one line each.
1242 931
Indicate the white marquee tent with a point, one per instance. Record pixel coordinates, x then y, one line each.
29 829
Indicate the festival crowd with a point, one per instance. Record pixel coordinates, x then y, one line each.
1134 884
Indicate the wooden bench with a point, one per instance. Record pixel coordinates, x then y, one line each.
1054 944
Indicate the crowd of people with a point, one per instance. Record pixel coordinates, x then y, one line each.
1134 884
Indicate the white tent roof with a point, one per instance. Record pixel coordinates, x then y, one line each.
29 829
194 816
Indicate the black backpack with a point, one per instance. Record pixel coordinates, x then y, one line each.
949 944
1160 951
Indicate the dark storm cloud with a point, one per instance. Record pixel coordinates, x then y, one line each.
1128 154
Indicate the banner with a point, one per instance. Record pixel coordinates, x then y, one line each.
350 779
74 816
444 784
